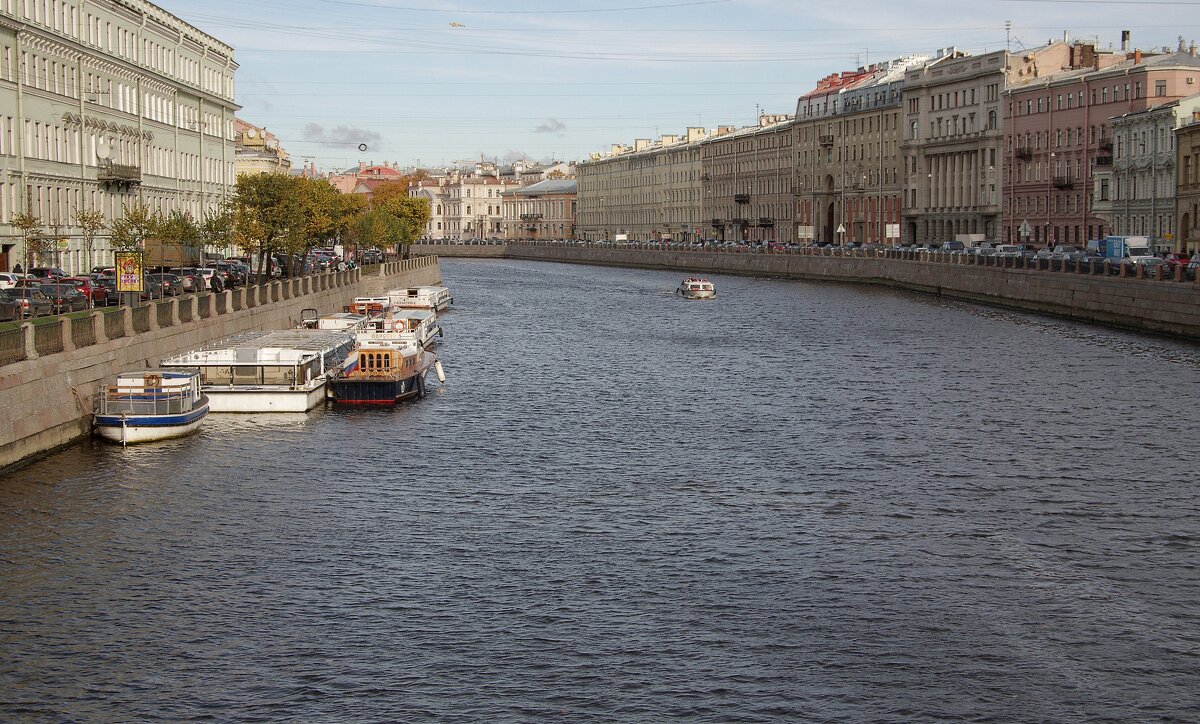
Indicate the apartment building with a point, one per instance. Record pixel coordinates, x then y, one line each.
542 210
102 104
651 190
1139 196
848 142
1058 133
257 150
464 206
1187 190
747 177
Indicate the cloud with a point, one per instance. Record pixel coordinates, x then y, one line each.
338 135
551 125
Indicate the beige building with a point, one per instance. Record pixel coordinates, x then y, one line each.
1187 190
848 175
104 104
257 150
747 176
544 210
649 191
463 206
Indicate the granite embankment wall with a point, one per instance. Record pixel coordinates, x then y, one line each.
1167 306
53 370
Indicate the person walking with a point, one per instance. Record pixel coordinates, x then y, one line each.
215 283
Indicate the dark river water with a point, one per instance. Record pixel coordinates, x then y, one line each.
796 502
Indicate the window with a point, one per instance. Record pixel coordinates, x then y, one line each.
1160 88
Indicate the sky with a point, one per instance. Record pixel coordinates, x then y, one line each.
435 84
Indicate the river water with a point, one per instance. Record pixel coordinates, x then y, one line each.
798 501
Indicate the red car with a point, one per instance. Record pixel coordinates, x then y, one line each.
94 291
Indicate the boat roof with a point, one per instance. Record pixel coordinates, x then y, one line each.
282 345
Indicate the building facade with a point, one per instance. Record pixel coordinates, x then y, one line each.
747 177
649 191
545 210
1143 177
1058 134
104 104
463 206
1187 189
257 150
848 173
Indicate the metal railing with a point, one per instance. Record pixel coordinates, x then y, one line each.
12 346
47 338
114 324
83 331
163 314
141 318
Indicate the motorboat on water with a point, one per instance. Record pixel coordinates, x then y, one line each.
383 374
435 299
149 406
369 305
279 371
696 288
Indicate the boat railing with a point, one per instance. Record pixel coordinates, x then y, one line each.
143 401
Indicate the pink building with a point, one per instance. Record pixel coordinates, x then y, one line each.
1057 134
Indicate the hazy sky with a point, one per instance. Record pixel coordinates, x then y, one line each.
449 81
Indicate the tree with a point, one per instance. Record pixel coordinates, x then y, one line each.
267 215
129 233
375 229
31 235
216 229
91 223
412 212
180 231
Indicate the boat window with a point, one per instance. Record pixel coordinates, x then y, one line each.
216 375
279 375
245 375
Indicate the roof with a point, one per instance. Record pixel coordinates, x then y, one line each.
549 186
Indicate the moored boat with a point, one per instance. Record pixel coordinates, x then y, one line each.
280 371
382 374
402 327
432 298
696 288
150 406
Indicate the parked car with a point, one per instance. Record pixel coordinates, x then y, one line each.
110 288
1189 271
191 279
32 301
47 272
231 274
10 308
372 256
8 280
64 298
169 284
90 288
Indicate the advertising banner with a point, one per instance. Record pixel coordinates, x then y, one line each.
129 271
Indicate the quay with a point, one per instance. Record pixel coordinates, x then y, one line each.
50 371
1168 306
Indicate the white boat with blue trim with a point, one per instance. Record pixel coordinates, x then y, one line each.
150 406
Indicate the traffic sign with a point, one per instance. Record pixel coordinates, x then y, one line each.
1025 229
841 229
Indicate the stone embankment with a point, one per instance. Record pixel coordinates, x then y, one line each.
1170 305
51 370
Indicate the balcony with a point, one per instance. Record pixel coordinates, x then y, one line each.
765 222
717 223
118 174
1106 144
1063 182
531 217
825 140
1103 161
741 198
1024 153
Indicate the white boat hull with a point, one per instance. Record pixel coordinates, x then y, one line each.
241 399
697 294
131 434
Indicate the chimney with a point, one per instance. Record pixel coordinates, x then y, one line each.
1124 41
1137 56
362 166
1192 49
1066 38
